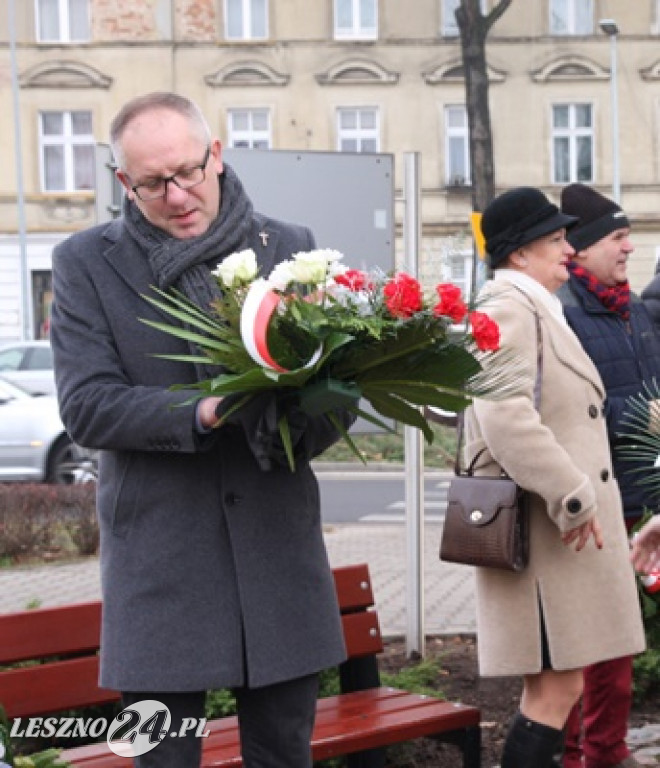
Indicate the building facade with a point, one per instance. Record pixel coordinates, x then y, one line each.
340 75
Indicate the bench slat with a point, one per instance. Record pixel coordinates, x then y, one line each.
353 584
53 687
66 629
362 634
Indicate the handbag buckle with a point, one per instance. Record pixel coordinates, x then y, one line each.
476 515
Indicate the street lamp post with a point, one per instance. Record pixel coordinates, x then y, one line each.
610 28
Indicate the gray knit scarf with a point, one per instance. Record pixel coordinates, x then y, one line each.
186 264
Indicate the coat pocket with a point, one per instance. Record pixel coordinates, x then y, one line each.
128 496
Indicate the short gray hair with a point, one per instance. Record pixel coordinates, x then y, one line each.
153 101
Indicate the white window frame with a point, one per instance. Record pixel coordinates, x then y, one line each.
449 26
567 10
68 141
573 133
64 23
357 29
466 259
359 134
247 14
655 26
452 177
249 137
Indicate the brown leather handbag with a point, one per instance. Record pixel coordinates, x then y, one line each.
486 522
487 518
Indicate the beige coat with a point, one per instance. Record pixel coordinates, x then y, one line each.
589 599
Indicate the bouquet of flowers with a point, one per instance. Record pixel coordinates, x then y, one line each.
330 336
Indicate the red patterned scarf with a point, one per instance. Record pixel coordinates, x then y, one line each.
615 298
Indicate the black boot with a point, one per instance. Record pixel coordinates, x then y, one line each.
530 744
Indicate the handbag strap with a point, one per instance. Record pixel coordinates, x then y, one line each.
537 399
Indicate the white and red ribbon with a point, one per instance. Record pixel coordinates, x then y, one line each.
260 304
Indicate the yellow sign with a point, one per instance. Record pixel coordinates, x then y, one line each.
479 239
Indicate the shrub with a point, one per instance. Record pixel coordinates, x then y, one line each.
34 517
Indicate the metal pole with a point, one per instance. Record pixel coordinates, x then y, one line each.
26 331
616 183
413 445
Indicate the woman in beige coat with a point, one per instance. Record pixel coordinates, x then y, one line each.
576 602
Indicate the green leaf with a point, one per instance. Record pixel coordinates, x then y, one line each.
393 407
187 335
421 394
346 437
285 435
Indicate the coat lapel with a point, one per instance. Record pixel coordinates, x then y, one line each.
566 346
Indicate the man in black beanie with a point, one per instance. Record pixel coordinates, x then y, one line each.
617 333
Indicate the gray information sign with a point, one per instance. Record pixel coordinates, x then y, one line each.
347 200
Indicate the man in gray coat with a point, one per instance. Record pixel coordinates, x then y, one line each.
213 566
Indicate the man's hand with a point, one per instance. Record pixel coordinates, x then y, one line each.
645 547
582 533
206 411
654 416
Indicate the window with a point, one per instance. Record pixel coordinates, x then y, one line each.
357 130
457 146
249 128
449 25
572 143
246 19
356 19
571 17
62 21
458 270
67 151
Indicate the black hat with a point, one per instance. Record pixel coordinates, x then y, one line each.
598 215
518 217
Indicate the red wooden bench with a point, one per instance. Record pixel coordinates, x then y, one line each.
359 722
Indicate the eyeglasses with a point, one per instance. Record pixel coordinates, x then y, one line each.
186 178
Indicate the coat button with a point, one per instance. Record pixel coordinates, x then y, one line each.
593 411
574 506
604 475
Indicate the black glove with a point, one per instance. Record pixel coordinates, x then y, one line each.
259 419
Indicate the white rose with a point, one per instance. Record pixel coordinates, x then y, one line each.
282 275
239 267
316 267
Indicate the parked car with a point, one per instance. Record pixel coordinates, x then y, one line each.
30 365
34 446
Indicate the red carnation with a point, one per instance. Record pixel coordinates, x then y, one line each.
403 295
451 303
353 279
485 332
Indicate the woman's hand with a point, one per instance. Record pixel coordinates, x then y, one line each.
582 533
645 547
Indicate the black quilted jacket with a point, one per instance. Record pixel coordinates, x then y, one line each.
627 355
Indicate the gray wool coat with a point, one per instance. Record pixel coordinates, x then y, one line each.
214 573
561 455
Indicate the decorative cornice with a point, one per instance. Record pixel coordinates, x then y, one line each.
357 72
242 73
575 68
651 73
452 72
64 74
